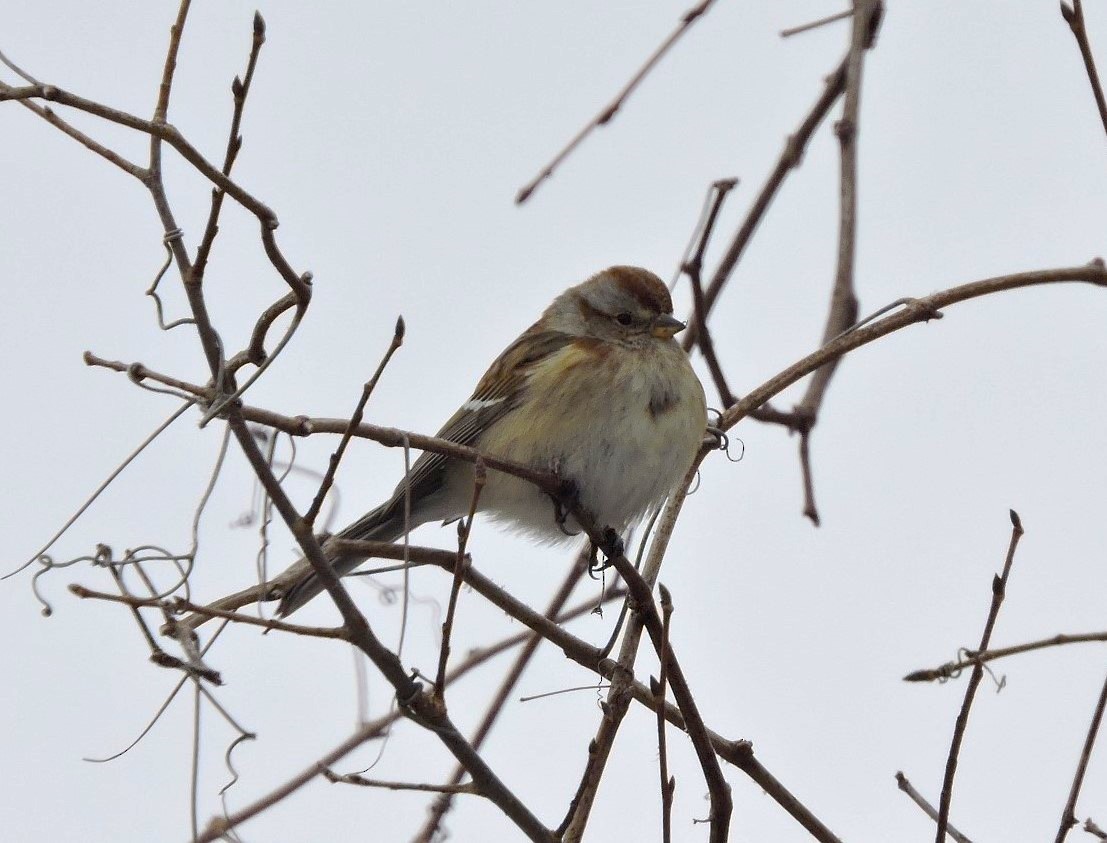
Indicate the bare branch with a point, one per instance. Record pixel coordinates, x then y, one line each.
668 784
815 24
355 420
442 805
843 300
694 270
927 808
790 158
917 310
1074 17
999 589
240 89
178 605
1068 817
217 827
361 781
464 527
951 670
612 108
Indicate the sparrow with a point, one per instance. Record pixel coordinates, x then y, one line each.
596 391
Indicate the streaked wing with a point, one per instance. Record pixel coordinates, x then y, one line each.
499 391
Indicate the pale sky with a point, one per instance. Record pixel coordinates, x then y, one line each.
391 139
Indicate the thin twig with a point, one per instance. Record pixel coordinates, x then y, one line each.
790 158
951 670
737 752
1074 17
815 24
1068 817
219 826
718 788
1094 830
843 300
999 589
927 808
464 528
694 269
361 781
419 705
51 117
621 676
668 784
614 709
240 89
917 310
179 605
441 806
176 414
194 766
355 420
610 110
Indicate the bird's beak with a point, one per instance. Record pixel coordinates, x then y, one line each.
664 326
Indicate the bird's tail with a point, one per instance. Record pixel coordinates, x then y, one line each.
385 523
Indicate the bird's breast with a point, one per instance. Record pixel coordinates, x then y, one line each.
622 423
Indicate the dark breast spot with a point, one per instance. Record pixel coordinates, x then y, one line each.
661 401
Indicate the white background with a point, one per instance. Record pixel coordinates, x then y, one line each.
390 139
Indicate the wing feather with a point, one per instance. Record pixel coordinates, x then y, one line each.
499 391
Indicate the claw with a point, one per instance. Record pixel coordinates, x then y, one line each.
611 545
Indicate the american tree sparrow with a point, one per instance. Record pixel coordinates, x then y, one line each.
596 390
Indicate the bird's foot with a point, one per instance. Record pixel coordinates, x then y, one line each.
611 545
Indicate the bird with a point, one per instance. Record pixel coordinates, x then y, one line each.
596 391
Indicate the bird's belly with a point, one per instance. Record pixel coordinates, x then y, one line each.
623 448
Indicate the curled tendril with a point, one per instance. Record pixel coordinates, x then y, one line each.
170 236
47 562
695 487
741 451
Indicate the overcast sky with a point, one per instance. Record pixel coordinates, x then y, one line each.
391 139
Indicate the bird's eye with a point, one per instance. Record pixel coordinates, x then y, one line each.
624 318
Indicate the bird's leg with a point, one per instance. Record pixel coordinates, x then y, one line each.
565 500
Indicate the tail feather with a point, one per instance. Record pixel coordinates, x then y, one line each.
385 523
